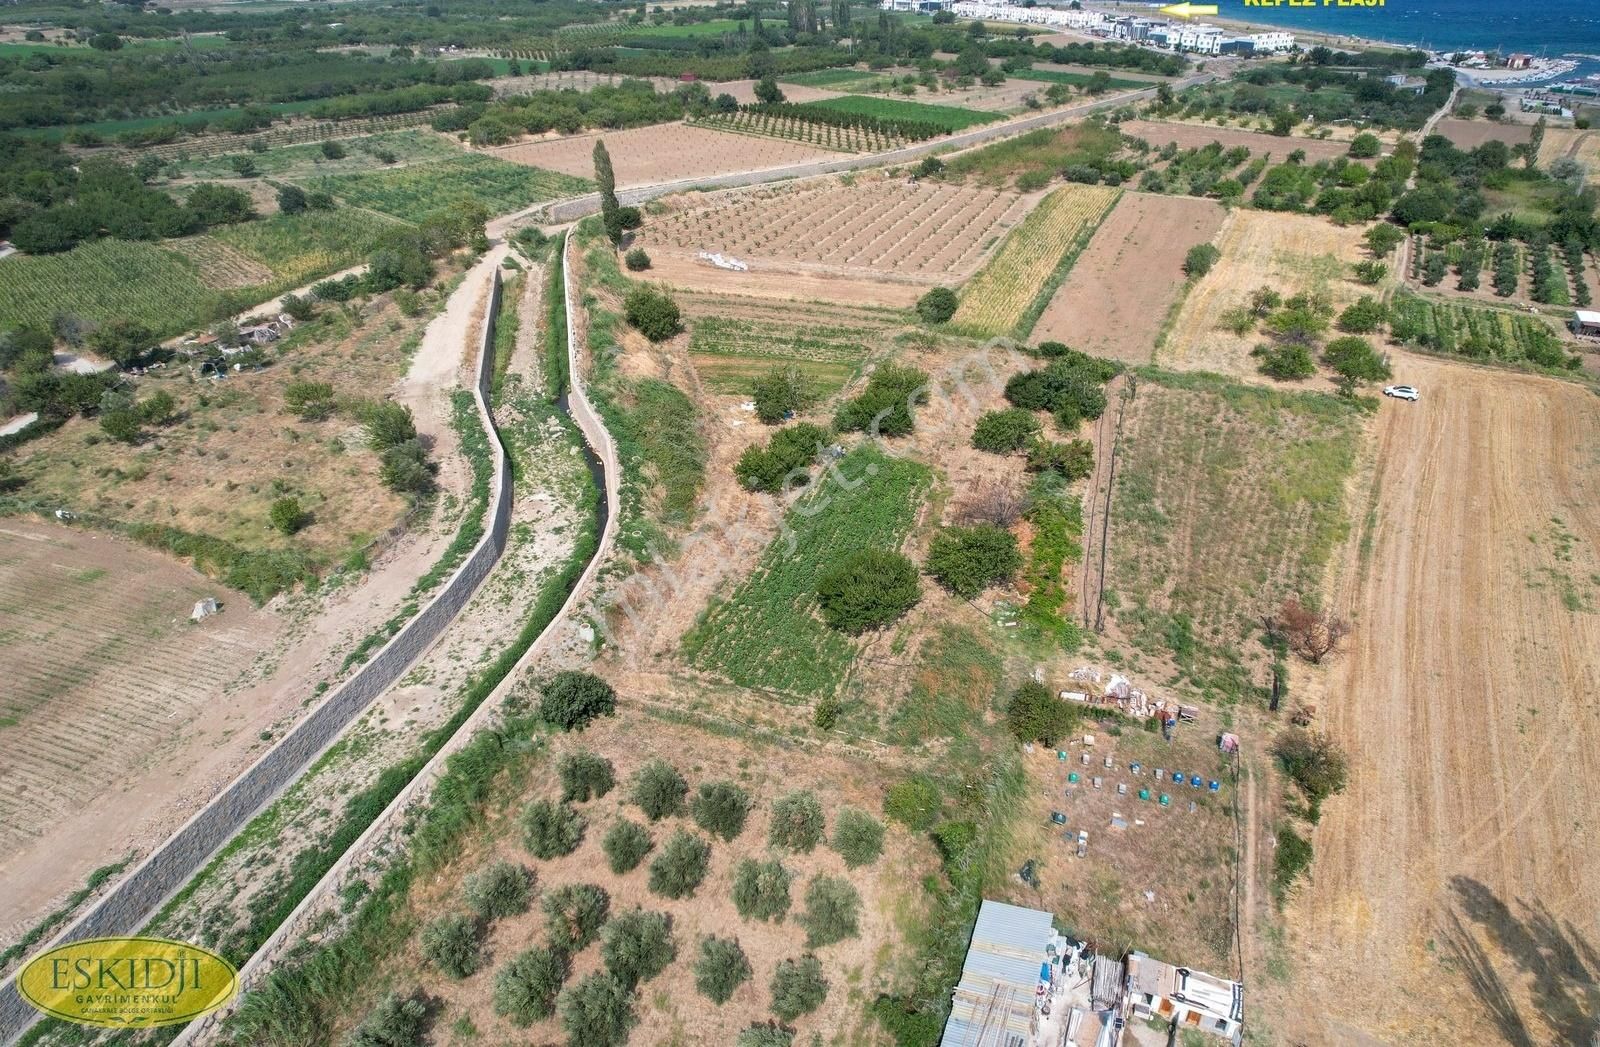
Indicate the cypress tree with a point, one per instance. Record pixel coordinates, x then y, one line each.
610 209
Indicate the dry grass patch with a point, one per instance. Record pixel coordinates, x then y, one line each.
663 153
1291 254
235 449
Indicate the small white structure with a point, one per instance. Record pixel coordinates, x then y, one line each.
722 261
1191 999
1587 323
204 609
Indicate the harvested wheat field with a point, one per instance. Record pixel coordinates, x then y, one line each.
1289 253
666 1004
1582 146
664 153
104 676
1123 286
872 227
1459 867
1195 136
744 92
1469 134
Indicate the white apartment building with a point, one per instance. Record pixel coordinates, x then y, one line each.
1273 41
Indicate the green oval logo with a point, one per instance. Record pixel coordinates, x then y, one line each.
128 983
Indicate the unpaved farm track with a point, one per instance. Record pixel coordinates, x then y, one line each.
1457 883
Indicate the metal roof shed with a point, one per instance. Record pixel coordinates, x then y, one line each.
994 1003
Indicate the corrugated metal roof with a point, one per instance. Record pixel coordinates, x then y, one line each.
993 1004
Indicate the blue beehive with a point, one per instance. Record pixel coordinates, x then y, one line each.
1194 780
1214 785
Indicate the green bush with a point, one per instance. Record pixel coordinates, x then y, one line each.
1001 432
637 945
681 865
797 821
720 968
1314 762
1289 861
500 888
288 516
596 1012
766 1034
1364 316
778 393
574 914
913 803
884 406
309 401
761 890
625 845
833 911
396 1021
525 989
550 830
798 987
388 424
1286 363
952 840
653 313
720 808
784 462
1036 715
450 943
637 260
572 699
584 776
1200 259
658 790
857 836
938 305
1365 145
967 560
1072 459
867 590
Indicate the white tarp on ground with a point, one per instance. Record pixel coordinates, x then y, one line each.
722 261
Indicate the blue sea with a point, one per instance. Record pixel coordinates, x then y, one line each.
1553 28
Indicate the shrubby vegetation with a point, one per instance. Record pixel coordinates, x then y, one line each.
659 790
525 989
573 698
597 1011
798 987
636 946
450 943
967 560
550 830
761 890
720 808
680 866
867 590
500 888
833 911
720 968
857 836
653 312
396 1021
574 914
785 462
626 844
884 407
584 776
797 821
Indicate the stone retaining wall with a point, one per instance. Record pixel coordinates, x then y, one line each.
140 894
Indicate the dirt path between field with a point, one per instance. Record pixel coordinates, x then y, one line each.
1455 883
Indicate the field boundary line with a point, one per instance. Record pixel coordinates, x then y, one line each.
141 893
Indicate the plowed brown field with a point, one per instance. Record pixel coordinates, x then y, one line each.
1457 884
1121 288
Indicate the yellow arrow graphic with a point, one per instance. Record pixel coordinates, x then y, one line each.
1188 10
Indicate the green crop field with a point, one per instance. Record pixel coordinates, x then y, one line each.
102 281
835 79
767 633
730 353
1475 331
413 192
948 117
715 27
1056 76
302 247
302 161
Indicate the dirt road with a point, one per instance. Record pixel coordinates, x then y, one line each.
1456 883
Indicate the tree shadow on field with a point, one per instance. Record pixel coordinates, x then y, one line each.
1564 968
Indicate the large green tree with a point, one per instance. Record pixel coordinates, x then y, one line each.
610 209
